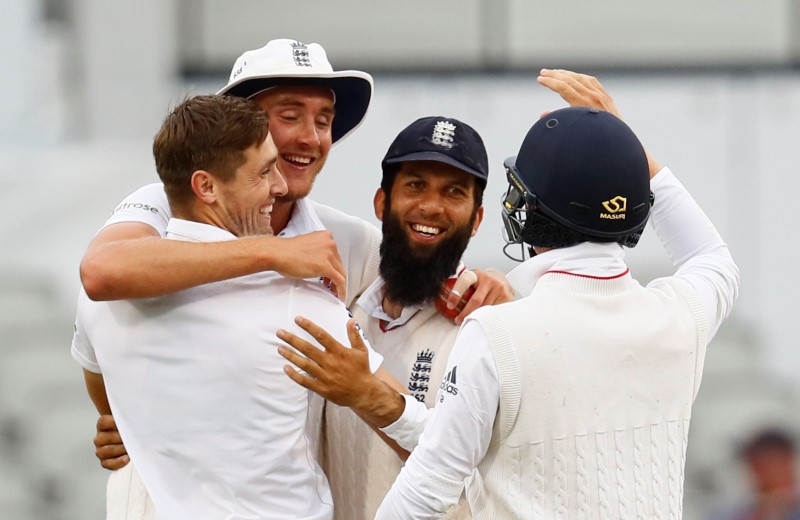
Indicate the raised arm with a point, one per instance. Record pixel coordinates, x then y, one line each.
130 260
690 239
695 247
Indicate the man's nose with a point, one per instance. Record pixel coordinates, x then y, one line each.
309 133
431 203
278 186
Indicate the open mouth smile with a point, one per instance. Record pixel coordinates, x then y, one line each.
297 161
426 231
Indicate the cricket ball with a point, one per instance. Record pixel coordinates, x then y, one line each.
444 294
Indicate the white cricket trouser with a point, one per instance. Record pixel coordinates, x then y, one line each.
126 497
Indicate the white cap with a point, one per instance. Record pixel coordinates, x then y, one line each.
291 63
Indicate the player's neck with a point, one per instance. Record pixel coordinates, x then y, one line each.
281 212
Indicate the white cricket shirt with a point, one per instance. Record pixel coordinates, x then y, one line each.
214 426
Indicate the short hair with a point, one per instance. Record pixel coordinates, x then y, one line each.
209 132
767 439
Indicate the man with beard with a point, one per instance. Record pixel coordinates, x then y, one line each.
311 107
523 443
429 202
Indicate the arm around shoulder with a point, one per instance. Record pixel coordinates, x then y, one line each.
108 258
129 260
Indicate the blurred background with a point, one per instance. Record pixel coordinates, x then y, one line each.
712 89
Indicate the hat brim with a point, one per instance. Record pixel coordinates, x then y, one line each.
438 157
352 88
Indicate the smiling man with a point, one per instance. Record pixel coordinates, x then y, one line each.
197 392
430 203
311 107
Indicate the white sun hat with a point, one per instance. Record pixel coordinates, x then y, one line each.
286 62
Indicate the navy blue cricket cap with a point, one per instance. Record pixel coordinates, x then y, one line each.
441 139
585 169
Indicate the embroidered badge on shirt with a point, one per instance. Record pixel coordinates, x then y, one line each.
443 133
300 54
421 375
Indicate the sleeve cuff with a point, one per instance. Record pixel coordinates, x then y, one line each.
407 429
84 362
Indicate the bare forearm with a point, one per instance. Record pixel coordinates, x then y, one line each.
382 402
96 387
148 267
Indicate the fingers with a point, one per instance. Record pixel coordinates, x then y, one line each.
112 456
355 337
501 290
337 274
315 385
106 423
578 89
318 333
464 281
562 87
478 299
312 255
109 448
299 344
115 463
491 288
300 379
302 362
332 267
105 438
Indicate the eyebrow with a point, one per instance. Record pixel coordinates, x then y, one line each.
294 102
456 181
267 164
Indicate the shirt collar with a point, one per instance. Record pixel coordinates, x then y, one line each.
303 220
371 301
594 259
191 231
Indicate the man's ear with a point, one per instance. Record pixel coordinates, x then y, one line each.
378 201
478 220
204 186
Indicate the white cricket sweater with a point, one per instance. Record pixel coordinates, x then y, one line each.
361 467
597 379
475 404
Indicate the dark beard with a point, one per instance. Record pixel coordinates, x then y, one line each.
414 276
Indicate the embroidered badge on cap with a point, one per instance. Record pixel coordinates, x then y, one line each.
300 54
443 133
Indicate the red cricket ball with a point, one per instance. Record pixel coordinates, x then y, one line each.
444 293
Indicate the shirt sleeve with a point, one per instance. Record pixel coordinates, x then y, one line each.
82 350
147 205
456 436
695 247
358 242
